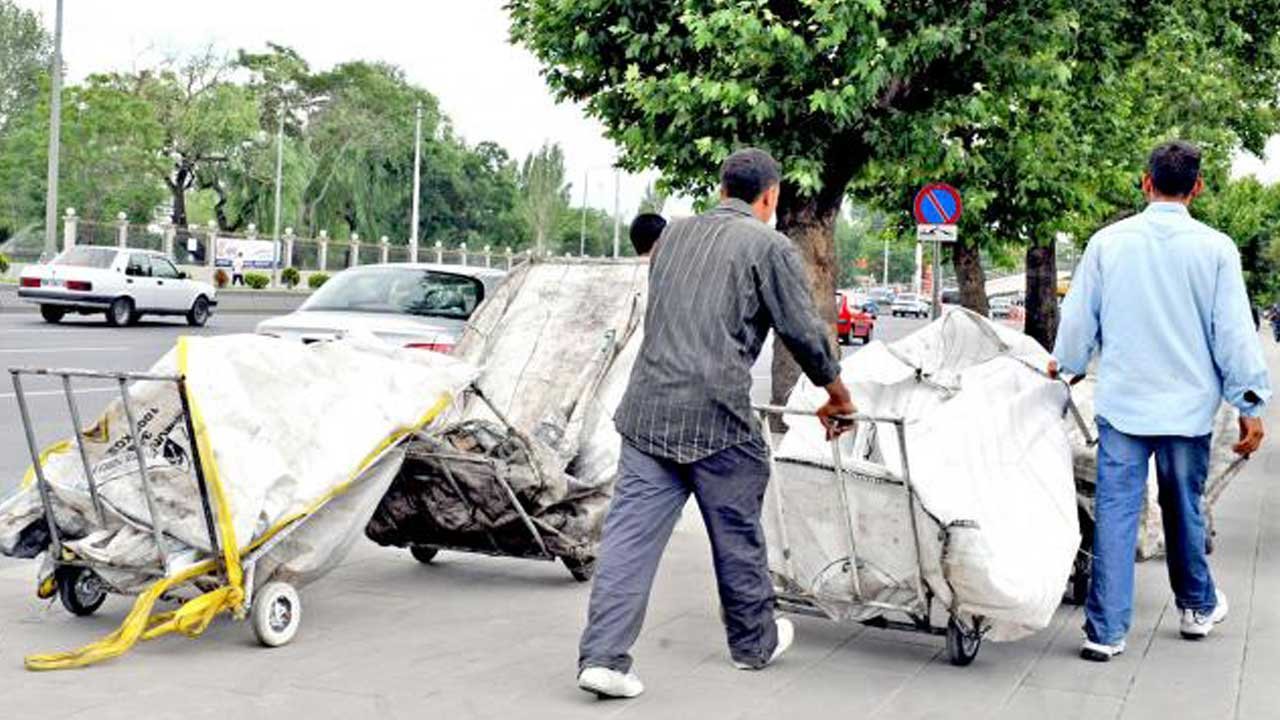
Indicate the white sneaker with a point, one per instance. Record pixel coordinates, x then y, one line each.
1196 624
1098 652
786 634
606 683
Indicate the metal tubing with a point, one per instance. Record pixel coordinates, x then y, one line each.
774 490
900 427
198 469
84 455
847 514
103 375
42 485
156 531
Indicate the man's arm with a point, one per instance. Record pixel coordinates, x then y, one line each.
1079 328
1237 353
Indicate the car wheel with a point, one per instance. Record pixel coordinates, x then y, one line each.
845 339
198 315
52 314
121 312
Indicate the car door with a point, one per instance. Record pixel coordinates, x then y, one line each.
173 294
138 282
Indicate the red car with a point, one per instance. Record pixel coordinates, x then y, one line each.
852 322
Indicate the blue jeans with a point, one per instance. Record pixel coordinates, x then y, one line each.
651 491
1182 467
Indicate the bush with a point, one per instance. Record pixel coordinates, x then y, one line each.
220 278
290 277
4 263
257 281
317 279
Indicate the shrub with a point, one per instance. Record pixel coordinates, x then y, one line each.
220 278
4 263
290 277
257 281
317 279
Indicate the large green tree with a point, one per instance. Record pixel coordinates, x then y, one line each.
544 194
851 90
24 60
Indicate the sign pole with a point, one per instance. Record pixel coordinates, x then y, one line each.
937 210
937 281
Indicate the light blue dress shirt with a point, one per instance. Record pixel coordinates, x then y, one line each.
1161 297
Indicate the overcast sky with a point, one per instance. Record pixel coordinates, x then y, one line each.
457 49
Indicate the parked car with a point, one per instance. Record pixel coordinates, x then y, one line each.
123 284
882 296
871 307
414 305
910 305
852 321
1001 307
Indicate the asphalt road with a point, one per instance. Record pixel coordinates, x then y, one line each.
27 341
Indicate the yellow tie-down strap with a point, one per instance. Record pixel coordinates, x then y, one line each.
195 615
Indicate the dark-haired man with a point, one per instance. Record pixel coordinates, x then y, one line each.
718 283
1161 297
646 228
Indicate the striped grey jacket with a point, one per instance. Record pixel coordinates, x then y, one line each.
717 283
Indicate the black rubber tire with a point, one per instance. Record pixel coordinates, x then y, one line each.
198 315
121 312
1078 583
581 570
845 339
52 313
75 597
423 553
867 340
962 646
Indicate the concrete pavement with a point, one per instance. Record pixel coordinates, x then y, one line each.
475 637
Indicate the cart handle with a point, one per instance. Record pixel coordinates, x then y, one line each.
856 417
100 374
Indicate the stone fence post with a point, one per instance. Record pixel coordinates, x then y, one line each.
170 232
462 252
69 223
439 253
211 246
508 258
323 260
122 230
355 250
488 257
384 245
288 247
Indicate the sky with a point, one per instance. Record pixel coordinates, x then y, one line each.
457 49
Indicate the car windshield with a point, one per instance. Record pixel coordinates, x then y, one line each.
906 298
406 291
84 256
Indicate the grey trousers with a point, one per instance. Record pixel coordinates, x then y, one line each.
651 491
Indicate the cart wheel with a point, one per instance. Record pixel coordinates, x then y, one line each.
962 644
581 570
423 553
277 611
80 590
1078 592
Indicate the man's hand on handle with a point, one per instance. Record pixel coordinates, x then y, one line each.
839 403
1251 435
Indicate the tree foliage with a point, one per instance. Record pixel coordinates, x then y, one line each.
544 194
25 52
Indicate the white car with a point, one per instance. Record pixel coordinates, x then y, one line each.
1001 307
122 283
418 305
910 305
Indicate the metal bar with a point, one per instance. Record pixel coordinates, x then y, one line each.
856 417
847 514
156 531
489 553
775 490
900 427
84 455
42 485
524 516
198 469
103 375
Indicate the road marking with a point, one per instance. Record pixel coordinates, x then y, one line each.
47 393
65 349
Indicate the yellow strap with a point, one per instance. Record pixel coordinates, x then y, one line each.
195 615
57 448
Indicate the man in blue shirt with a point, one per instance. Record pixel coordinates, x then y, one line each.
1161 298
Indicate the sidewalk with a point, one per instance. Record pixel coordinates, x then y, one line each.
477 637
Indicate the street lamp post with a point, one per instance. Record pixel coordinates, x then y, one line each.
582 233
885 282
55 133
275 266
617 210
417 185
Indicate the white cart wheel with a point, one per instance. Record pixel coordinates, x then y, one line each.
277 612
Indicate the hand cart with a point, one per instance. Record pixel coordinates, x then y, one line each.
908 605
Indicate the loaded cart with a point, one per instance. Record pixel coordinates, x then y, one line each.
184 491
866 525
525 468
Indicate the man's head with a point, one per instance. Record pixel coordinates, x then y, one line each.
1173 173
752 176
645 231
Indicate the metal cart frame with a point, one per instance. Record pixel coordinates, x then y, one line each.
963 638
275 608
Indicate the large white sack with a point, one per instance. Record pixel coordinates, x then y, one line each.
990 463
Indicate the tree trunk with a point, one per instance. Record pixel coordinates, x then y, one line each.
1042 294
967 261
178 189
810 222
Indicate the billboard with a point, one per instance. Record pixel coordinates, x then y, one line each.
256 253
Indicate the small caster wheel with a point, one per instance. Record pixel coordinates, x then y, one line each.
276 613
80 590
962 644
423 553
581 570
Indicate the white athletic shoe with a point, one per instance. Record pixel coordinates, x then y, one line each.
1098 652
606 683
786 634
1196 625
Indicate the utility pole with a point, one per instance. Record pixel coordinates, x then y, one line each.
617 209
275 266
582 233
55 134
885 282
417 185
